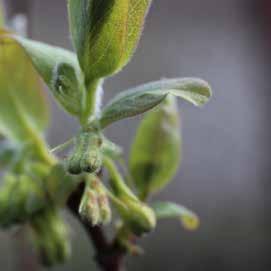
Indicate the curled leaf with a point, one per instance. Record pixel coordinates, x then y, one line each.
59 69
138 100
163 210
155 153
66 88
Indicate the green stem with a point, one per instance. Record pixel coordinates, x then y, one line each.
127 174
116 180
42 149
90 102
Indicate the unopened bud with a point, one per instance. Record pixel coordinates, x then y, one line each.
138 216
95 205
103 201
87 156
89 206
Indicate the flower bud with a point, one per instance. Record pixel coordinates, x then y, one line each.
95 204
139 217
105 210
103 201
87 156
89 206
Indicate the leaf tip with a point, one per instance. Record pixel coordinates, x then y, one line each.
190 222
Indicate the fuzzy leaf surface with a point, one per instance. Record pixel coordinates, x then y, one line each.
58 68
138 100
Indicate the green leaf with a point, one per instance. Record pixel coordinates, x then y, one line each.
163 210
143 98
59 69
23 107
106 33
155 153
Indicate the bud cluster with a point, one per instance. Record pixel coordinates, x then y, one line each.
94 205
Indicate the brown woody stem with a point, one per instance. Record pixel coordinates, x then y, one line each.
109 255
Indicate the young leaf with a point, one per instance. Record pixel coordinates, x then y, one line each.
23 107
190 221
59 69
155 153
143 98
105 33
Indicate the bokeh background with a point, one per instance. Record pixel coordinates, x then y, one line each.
225 174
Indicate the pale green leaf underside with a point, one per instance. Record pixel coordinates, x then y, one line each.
143 98
167 210
59 69
23 107
155 152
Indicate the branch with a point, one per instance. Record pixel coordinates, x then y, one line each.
109 255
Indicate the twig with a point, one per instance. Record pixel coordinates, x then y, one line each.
109 255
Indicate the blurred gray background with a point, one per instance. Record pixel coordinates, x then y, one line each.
225 174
